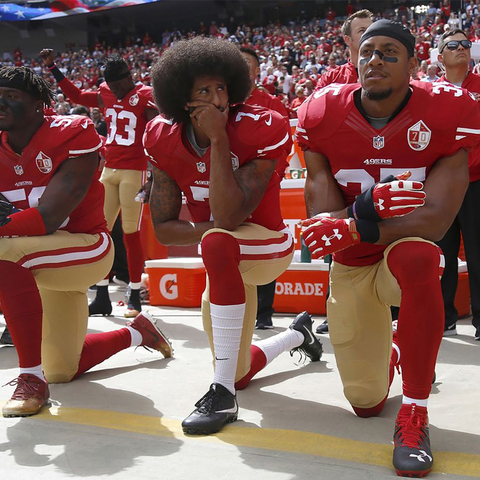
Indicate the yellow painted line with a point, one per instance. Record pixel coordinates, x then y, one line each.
455 463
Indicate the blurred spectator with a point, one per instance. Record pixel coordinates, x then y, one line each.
62 107
431 75
99 121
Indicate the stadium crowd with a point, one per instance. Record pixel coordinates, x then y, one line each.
292 56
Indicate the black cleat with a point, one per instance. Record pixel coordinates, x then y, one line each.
412 456
101 304
311 347
264 323
323 327
6 338
214 410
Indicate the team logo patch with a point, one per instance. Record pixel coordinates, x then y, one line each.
235 161
44 163
378 142
201 167
18 169
134 99
419 136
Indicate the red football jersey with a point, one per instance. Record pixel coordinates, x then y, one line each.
346 73
253 132
126 120
24 178
359 155
263 99
472 84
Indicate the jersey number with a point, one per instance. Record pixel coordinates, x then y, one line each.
362 178
19 195
129 127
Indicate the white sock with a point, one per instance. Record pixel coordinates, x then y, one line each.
416 401
283 342
136 337
37 371
103 283
227 325
135 285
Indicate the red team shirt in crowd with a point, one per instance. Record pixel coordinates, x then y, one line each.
346 73
24 178
360 156
472 84
253 133
126 120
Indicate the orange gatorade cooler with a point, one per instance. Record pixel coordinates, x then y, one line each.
176 281
303 286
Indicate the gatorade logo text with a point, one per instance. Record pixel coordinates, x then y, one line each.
299 288
168 286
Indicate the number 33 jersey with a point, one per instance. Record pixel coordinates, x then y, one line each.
24 178
436 122
126 120
253 133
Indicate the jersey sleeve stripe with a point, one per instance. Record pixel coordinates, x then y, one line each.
273 147
468 130
459 137
151 104
81 152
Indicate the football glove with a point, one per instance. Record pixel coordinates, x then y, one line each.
392 197
325 235
6 209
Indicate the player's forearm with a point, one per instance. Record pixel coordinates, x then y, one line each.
181 232
322 196
226 198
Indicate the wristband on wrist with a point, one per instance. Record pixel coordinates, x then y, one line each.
368 230
25 223
57 74
364 207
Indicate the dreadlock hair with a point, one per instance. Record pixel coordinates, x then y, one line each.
174 74
25 79
115 67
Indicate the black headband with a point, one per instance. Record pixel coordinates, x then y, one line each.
19 83
389 28
113 77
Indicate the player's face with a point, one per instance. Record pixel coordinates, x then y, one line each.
17 108
210 90
253 67
457 57
384 67
357 29
120 88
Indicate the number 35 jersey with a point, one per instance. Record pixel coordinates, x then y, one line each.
436 122
24 178
126 120
253 133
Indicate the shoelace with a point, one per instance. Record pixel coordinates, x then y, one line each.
410 424
23 389
207 402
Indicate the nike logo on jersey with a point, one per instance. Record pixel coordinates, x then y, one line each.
269 121
85 125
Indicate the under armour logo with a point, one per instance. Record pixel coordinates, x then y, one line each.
422 456
380 203
327 240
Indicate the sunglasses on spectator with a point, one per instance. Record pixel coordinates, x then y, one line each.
454 44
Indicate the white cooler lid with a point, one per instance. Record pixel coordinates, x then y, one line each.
314 265
176 262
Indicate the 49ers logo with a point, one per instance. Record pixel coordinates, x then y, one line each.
419 136
44 162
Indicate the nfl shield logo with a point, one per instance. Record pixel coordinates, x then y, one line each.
201 167
44 163
419 136
378 142
18 169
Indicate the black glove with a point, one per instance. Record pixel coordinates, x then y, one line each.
6 209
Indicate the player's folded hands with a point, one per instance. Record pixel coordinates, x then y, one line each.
325 235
